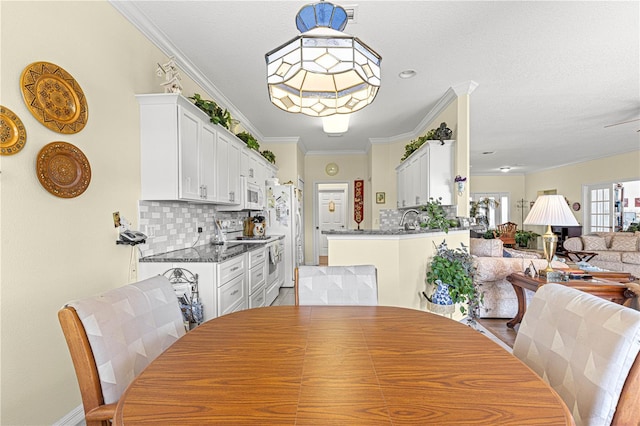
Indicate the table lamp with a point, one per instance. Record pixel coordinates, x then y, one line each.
550 210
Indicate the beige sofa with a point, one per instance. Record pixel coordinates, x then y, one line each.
492 269
616 251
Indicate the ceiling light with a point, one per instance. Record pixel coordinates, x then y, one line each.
337 123
407 74
323 71
505 169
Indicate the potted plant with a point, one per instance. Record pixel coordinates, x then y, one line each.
451 271
523 237
270 156
216 114
249 140
436 216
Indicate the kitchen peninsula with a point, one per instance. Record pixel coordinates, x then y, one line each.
401 258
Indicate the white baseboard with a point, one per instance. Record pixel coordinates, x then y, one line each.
73 418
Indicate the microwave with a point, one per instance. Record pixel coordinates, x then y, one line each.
251 197
252 194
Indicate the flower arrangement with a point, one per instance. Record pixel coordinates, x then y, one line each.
459 178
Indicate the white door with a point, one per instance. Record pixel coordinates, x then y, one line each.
599 209
332 215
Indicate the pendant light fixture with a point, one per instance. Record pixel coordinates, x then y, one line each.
323 71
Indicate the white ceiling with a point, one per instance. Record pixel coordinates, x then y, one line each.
550 75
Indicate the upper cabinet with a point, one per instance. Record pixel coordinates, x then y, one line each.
427 173
186 157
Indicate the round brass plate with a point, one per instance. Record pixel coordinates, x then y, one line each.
13 135
54 97
63 169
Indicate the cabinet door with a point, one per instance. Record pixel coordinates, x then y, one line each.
422 176
244 162
234 172
401 187
441 172
208 163
189 155
254 168
222 168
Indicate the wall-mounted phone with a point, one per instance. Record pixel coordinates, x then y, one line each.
131 237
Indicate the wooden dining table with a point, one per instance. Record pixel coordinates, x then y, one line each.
338 365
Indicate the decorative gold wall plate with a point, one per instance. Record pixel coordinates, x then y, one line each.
54 97
13 135
63 169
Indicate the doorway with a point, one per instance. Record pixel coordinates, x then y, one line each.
330 213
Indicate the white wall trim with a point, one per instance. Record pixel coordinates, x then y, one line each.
74 417
449 96
350 152
138 19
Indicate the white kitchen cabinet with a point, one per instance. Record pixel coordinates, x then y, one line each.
257 277
206 280
223 194
427 173
235 148
177 144
232 289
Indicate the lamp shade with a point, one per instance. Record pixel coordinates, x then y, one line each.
323 71
551 210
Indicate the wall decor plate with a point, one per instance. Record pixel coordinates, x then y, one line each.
13 135
63 169
54 97
576 206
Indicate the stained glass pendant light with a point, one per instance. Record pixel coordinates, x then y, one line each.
323 71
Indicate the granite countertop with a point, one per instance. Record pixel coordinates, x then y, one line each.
209 252
389 231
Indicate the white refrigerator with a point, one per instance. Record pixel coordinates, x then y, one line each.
284 217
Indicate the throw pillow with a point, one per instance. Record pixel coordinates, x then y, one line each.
624 243
593 243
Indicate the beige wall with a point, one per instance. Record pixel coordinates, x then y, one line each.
286 160
351 167
53 249
514 185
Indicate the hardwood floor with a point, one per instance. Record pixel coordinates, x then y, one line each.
323 260
498 327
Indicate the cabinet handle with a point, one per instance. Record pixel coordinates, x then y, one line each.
250 172
259 275
233 293
234 269
417 200
232 196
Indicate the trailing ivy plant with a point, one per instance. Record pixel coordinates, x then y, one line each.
441 133
455 267
436 216
249 140
216 114
270 156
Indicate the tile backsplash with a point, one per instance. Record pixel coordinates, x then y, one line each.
390 218
173 225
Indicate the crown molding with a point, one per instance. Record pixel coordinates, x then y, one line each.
452 94
284 140
138 19
341 153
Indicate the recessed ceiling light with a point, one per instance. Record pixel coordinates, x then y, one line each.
505 169
407 74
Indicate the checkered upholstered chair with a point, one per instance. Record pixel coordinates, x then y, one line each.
586 348
336 285
112 337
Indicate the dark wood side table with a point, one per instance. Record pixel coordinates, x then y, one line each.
609 290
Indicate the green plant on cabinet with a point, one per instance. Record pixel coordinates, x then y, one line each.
216 114
249 140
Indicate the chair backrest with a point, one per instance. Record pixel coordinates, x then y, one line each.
336 285
112 337
587 349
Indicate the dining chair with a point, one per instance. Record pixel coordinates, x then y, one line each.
507 233
112 337
336 285
586 348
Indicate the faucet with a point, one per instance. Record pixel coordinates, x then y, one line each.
404 215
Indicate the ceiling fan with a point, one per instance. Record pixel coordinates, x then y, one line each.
623 122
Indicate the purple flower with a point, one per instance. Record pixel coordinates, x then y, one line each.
459 178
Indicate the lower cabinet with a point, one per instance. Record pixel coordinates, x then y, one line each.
233 285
